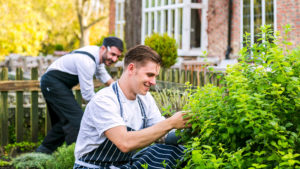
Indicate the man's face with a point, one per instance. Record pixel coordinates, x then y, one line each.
145 77
111 55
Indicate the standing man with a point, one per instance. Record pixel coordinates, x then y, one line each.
62 75
124 117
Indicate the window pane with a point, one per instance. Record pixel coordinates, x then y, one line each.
152 3
173 23
269 13
119 11
195 28
180 28
180 1
246 17
147 3
166 2
196 1
146 23
257 19
152 22
158 21
166 21
158 2
173 2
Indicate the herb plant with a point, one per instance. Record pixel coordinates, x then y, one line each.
254 120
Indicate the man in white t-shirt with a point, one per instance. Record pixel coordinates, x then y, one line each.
62 75
124 117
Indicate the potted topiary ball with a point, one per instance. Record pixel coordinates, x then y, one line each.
165 46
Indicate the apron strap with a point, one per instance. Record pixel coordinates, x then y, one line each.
115 88
85 53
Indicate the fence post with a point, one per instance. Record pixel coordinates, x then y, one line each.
4 111
34 108
176 75
188 76
19 116
182 77
201 78
195 79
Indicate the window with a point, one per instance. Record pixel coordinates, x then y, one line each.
256 13
119 19
184 20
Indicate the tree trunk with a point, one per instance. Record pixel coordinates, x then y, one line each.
133 20
84 41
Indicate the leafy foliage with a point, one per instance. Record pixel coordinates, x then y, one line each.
30 27
20 147
63 158
31 160
253 121
165 46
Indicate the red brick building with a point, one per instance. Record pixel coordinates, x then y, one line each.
203 25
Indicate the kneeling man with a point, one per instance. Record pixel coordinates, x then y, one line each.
124 117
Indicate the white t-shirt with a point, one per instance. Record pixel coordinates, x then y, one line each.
103 113
84 67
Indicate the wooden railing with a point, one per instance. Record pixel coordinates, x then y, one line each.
19 86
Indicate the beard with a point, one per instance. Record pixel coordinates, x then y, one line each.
106 61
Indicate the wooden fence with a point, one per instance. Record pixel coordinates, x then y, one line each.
19 86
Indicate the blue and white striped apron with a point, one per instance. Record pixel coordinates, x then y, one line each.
107 155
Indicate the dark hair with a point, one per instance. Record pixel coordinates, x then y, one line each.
113 41
140 54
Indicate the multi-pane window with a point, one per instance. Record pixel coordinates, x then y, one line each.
255 14
119 18
184 20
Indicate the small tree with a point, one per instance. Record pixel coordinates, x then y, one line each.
165 46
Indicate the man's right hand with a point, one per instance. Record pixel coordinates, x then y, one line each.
179 120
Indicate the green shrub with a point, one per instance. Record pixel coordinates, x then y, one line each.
165 46
31 161
252 122
5 163
63 158
21 147
59 47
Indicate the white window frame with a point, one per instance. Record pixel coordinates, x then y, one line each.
263 2
186 6
119 21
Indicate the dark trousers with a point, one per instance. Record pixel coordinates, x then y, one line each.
64 111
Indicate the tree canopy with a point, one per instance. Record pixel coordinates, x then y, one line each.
29 27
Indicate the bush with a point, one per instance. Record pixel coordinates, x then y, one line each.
20 147
165 46
4 163
31 160
252 122
63 158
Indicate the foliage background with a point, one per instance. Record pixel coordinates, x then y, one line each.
29 27
253 120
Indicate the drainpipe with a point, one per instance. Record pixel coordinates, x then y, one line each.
229 30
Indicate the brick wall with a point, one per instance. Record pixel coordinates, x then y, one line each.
288 12
217 27
235 32
112 14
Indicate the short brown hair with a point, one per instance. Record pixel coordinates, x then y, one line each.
140 54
